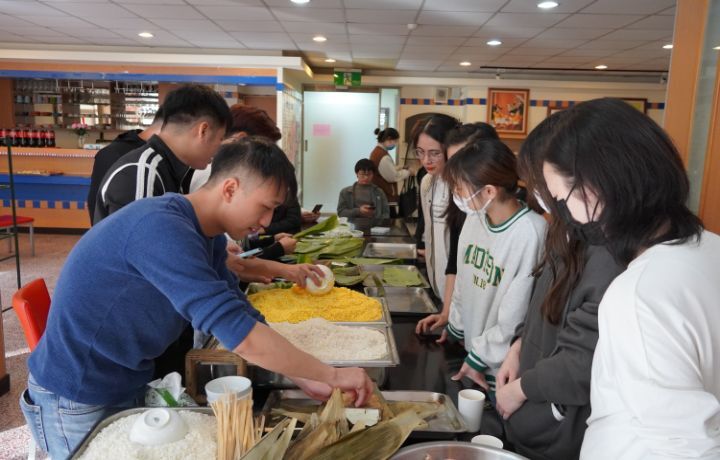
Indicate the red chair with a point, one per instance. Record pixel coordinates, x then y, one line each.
32 305
6 224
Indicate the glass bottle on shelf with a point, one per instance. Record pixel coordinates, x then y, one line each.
50 142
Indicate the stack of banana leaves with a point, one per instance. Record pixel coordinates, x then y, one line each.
327 434
309 250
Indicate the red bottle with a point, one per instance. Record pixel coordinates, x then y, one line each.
42 137
13 137
50 138
33 138
3 133
23 137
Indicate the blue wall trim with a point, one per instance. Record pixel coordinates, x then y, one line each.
217 79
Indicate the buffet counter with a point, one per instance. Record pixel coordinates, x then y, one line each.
51 185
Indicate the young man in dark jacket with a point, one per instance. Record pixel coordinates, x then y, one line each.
194 121
108 155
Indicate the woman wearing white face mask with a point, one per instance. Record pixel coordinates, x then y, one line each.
388 174
499 246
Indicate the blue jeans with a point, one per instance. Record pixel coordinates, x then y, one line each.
58 424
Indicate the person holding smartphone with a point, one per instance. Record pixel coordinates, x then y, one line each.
363 198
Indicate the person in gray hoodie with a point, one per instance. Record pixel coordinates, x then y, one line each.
544 382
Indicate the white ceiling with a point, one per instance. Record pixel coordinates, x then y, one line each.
578 34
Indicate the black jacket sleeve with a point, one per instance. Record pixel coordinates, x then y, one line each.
286 219
272 252
564 377
451 268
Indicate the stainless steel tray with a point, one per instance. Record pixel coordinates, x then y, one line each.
410 301
265 379
391 359
385 319
378 270
391 250
104 423
448 420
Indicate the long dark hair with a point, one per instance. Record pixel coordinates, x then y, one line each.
483 162
631 165
437 127
564 254
464 134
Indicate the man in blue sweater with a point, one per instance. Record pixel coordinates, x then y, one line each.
134 282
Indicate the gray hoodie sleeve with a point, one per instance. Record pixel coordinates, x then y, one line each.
564 377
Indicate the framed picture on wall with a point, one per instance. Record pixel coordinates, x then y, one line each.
638 103
507 110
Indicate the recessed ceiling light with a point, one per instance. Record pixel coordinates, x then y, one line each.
668 46
717 48
319 38
300 2
330 60
601 67
547 5
494 42
146 35
466 63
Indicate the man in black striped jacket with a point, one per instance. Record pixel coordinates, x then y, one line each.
195 119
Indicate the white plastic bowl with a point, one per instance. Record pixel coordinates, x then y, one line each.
241 386
326 282
158 426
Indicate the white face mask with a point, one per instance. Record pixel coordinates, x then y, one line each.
464 204
541 202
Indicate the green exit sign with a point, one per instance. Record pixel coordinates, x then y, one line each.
347 77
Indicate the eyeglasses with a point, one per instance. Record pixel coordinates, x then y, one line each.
430 154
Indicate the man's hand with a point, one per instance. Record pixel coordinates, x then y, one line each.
300 272
510 368
288 244
510 398
320 391
308 217
245 269
367 211
279 236
353 379
472 374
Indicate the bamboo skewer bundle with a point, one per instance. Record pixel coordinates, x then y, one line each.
236 431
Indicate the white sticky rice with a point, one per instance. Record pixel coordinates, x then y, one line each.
113 442
333 342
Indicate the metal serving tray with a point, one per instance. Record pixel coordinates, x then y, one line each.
406 301
405 251
108 421
265 379
448 421
385 319
378 270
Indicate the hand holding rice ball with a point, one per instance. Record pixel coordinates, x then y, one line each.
326 282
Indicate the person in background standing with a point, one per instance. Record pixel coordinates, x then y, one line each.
456 140
108 155
432 235
388 173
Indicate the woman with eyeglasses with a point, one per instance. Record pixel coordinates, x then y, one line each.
617 178
500 244
432 235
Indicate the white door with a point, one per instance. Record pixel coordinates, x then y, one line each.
338 131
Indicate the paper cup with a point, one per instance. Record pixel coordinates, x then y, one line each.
241 386
470 405
487 440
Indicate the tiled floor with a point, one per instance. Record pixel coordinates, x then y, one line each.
50 254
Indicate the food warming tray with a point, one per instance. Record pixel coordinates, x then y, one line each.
378 271
405 301
391 251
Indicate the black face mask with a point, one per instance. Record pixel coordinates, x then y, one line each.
590 233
